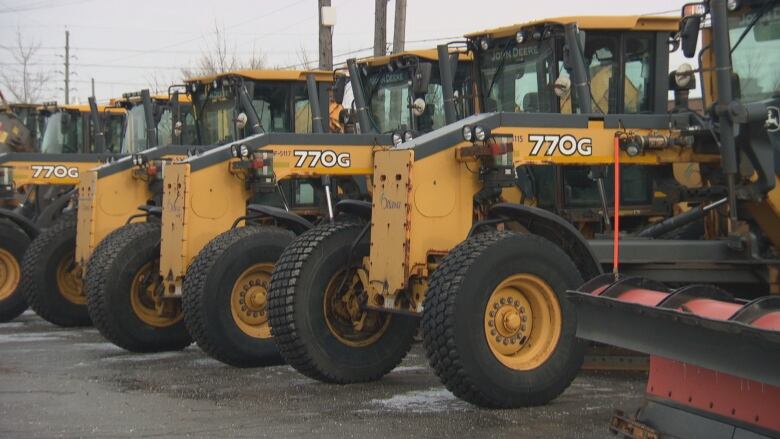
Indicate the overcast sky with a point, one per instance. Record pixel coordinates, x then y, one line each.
128 45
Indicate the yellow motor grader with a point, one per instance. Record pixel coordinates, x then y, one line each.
478 228
226 108
208 195
52 273
36 188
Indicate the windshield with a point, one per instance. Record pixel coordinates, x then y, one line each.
216 120
389 99
64 133
517 77
135 131
756 59
388 93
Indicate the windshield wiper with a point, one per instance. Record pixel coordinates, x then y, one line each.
499 69
752 23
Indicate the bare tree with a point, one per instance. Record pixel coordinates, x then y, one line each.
304 60
219 57
25 83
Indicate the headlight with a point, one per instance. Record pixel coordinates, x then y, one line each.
467 135
520 37
632 150
244 151
484 43
733 5
480 133
397 138
408 135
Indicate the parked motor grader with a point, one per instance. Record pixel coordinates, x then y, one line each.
208 195
36 187
444 241
58 295
714 356
227 107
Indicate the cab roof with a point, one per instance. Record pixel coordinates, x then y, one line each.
603 22
429 54
84 108
267 75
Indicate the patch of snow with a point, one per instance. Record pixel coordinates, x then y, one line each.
432 400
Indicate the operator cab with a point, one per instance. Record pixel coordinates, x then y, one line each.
174 122
523 69
69 129
404 92
279 101
225 105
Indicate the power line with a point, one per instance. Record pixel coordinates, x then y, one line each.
266 14
41 5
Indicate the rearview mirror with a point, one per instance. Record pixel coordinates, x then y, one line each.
689 35
421 77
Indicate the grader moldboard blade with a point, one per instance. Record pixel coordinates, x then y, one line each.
714 359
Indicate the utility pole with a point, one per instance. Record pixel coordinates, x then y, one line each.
380 28
326 39
399 30
92 80
67 67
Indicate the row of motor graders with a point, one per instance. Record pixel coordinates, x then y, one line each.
468 193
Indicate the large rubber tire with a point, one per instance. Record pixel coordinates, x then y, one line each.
455 333
13 243
116 262
297 316
243 255
54 292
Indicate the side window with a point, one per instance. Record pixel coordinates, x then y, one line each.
601 56
164 128
304 194
302 115
638 70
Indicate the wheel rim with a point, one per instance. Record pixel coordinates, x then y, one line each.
346 320
145 302
69 280
249 300
10 273
522 321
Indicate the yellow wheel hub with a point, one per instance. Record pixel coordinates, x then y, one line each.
10 273
69 280
248 300
146 302
347 320
522 321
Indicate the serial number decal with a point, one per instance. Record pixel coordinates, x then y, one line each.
328 159
57 171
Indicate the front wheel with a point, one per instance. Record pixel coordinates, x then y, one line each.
225 295
497 329
51 279
123 288
318 315
13 243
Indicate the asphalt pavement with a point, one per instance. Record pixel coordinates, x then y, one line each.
57 382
